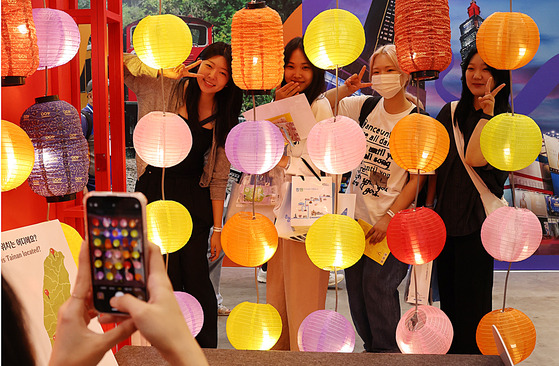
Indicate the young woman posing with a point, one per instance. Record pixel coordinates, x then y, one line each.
210 104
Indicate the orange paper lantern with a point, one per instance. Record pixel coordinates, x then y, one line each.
422 37
419 143
257 47
516 329
508 41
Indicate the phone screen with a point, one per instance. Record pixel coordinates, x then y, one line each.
117 248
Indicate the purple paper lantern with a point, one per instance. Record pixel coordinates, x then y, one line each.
58 37
191 310
337 145
254 147
326 331
61 151
511 234
429 331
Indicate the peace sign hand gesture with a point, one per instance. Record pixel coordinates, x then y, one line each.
354 82
487 102
181 71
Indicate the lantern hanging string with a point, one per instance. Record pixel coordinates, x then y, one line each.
256 284
163 184
159 7
414 319
256 175
336 284
511 95
336 105
162 97
418 174
505 291
46 81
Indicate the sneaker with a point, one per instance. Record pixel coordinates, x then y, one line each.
332 279
261 275
222 310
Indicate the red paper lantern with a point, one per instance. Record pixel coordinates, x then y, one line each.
416 236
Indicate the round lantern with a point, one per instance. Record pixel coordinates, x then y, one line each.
58 37
335 241
254 147
333 38
416 236
511 234
18 156
162 41
416 26
169 225
249 241
74 240
326 331
191 310
426 330
257 47
516 329
511 142
507 41
61 151
162 139
20 53
336 145
253 326
419 143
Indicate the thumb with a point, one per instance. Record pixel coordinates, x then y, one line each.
128 304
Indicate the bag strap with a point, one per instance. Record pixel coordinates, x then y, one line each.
89 118
367 107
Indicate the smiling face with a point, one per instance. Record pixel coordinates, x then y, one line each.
477 75
383 65
299 70
214 74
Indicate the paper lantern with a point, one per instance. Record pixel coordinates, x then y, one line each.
511 142
416 236
249 241
516 329
429 331
511 234
335 241
74 240
169 225
61 151
422 37
254 147
18 156
507 41
326 331
162 41
336 145
253 326
257 47
20 53
333 38
419 143
58 37
162 139
191 310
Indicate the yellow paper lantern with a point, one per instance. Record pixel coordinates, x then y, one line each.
333 38
18 156
511 142
162 41
257 47
335 241
419 143
508 41
253 326
516 329
169 225
249 241
74 240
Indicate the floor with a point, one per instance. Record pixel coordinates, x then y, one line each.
534 293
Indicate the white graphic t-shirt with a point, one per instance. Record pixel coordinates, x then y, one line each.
378 180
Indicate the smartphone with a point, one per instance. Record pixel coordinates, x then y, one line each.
117 239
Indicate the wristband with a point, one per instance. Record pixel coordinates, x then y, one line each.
218 229
390 213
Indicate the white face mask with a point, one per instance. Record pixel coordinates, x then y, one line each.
387 85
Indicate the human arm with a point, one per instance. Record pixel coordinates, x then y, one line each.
405 198
351 85
215 240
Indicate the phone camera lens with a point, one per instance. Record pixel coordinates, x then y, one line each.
95 204
136 206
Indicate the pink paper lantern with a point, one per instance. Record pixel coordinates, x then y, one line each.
416 236
254 147
427 332
511 234
326 331
58 37
162 139
191 310
336 145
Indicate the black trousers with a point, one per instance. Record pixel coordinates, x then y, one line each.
465 275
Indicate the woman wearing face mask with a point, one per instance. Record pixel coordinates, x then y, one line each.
382 189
